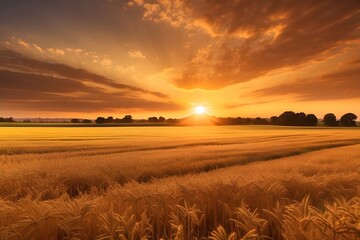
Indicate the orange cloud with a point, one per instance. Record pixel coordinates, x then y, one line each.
56 51
76 50
37 47
106 62
30 84
23 43
342 83
251 38
136 54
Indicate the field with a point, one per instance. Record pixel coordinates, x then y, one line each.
214 182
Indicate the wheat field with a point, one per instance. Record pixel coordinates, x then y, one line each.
223 182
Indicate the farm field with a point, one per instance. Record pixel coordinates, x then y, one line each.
213 182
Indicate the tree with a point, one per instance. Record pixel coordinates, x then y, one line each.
100 120
153 119
118 120
330 120
247 120
75 120
161 119
172 120
311 120
290 118
348 120
127 119
86 121
287 118
274 120
109 120
260 121
10 119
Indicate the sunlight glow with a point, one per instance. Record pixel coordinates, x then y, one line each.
200 109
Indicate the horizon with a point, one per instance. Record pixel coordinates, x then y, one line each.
195 115
195 112
167 58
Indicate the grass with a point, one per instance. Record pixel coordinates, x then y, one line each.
236 182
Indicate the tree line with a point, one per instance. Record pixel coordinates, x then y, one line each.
129 119
347 120
10 119
76 120
288 118
126 119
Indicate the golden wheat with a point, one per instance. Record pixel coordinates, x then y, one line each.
213 183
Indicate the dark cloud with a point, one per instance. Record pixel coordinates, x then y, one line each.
340 84
14 60
29 84
86 106
255 37
28 99
41 83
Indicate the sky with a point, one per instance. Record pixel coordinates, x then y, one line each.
249 58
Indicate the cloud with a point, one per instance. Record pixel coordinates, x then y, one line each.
26 101
30 48
23 43
251 38
40 83
30 84
106 62
136 54
56 51
76 50
168 11
343 83
37 47
14 60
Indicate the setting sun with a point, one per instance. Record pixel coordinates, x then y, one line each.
200 109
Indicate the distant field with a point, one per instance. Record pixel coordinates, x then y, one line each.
218 182
78 125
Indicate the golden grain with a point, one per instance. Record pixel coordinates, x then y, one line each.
212 183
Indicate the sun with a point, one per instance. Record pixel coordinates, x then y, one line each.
200 109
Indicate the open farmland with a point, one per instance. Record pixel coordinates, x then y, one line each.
218 182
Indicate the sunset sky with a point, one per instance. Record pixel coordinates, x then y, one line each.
249 58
